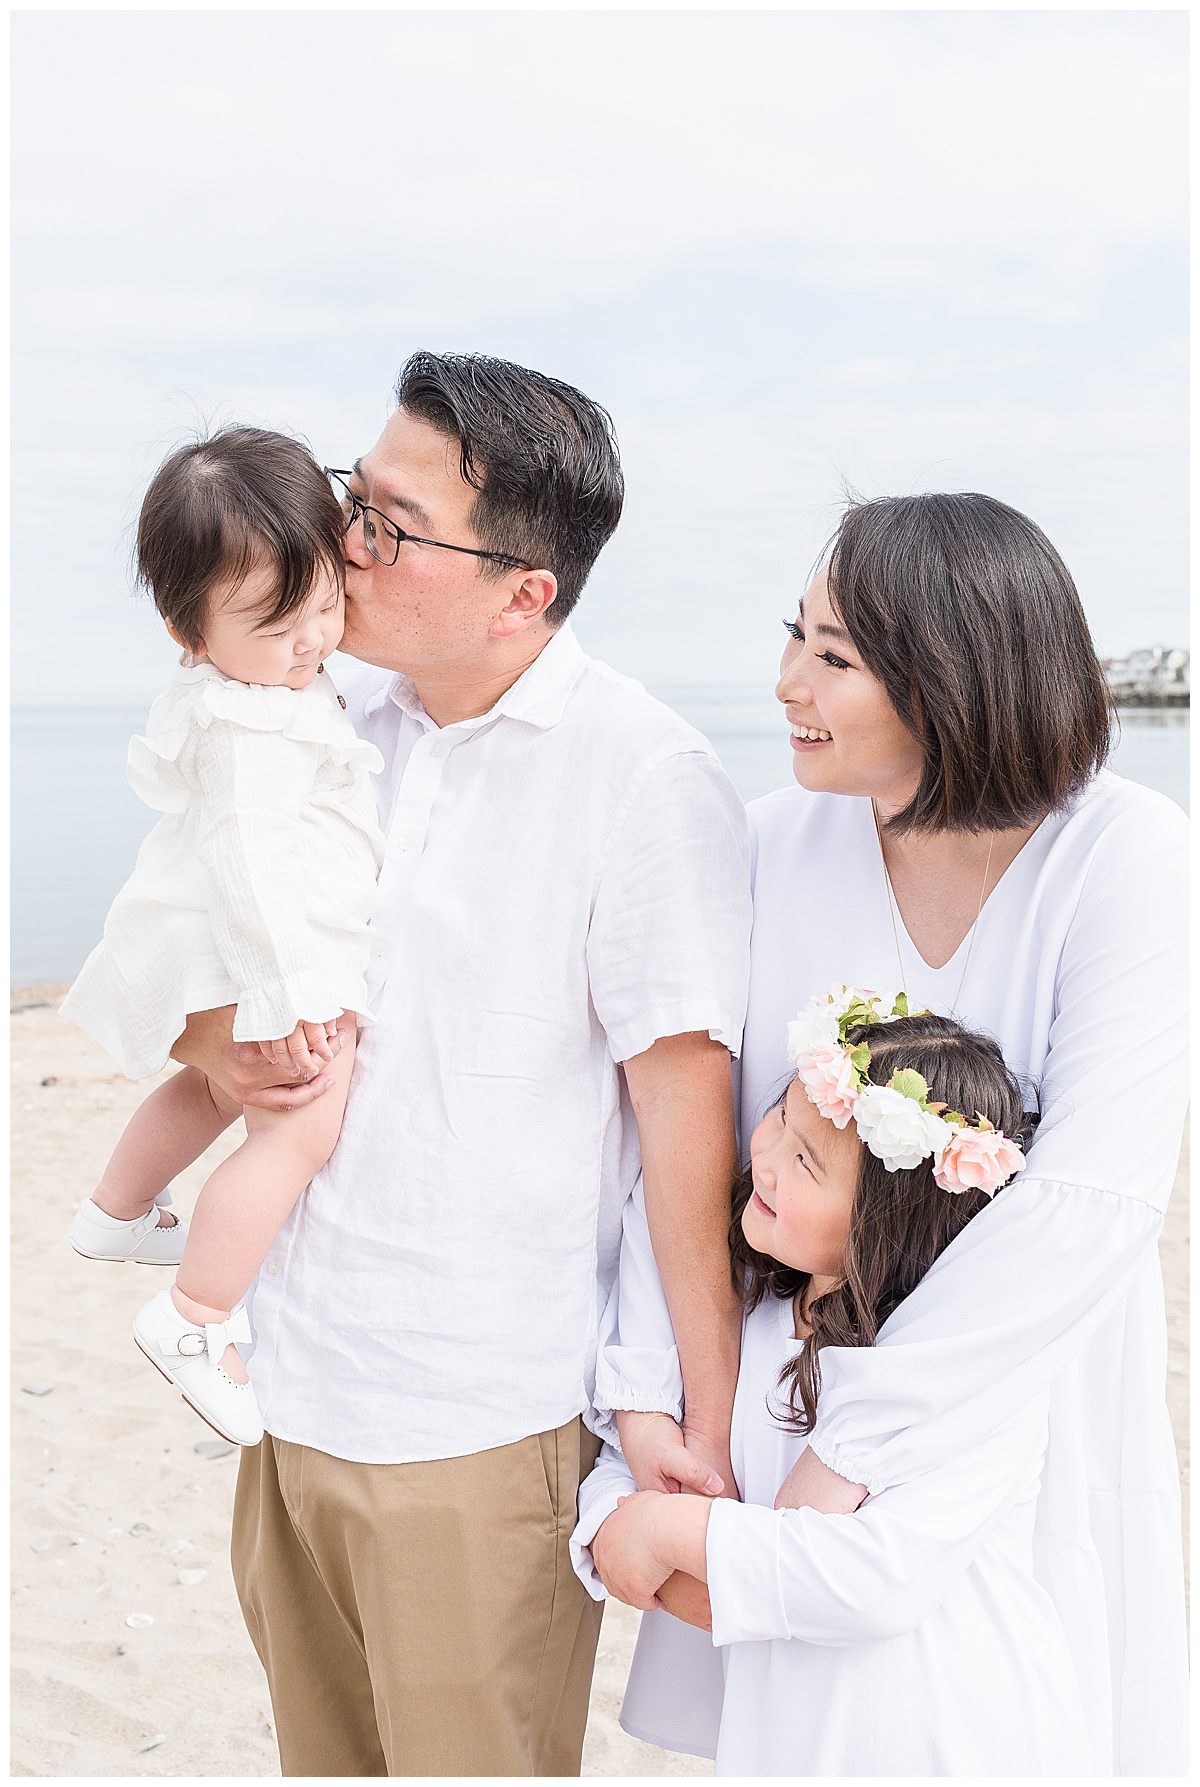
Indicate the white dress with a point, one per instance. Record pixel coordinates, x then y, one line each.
1080 973
256 888
910 1638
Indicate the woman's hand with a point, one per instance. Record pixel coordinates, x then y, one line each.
646 1540
658 1458
811 1484
305 1051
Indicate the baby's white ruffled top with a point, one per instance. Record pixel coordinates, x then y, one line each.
256 888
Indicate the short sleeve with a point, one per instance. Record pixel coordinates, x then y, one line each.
669 941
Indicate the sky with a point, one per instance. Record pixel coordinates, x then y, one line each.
794 253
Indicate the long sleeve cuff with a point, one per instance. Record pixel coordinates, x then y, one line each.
598 1495
744 1587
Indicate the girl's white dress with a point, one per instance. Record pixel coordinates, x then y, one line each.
1079 971
256 888
911 1638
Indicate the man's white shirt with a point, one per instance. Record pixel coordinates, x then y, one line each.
566 880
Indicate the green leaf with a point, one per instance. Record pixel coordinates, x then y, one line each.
900 1006
908 1081
860 1059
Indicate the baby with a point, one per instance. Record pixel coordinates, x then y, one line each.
255 889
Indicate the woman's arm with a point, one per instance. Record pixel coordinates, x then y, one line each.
1019 1292
824 1578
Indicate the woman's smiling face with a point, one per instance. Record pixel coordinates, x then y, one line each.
847 738
805 1171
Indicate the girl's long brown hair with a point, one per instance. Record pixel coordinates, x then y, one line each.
901 1221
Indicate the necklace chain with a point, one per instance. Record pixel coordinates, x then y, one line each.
892 912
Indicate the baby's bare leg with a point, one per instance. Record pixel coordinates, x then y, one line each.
169 1130
246 1201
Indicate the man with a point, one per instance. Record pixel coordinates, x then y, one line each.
559 975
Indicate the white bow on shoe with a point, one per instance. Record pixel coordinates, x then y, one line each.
189 1356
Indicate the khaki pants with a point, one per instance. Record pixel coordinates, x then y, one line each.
419 1619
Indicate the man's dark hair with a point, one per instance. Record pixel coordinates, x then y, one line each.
970 619
223 504
541 457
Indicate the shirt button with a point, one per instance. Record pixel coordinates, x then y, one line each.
408 842
439 749
274 1268
381 948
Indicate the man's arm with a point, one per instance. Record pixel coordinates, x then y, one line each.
240 1068
682 1096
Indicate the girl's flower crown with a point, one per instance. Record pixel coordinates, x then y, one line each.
897 1121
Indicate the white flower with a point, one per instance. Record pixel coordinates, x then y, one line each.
896 1130
816 1027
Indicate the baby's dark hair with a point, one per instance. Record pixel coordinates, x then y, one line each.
901 1221
223 504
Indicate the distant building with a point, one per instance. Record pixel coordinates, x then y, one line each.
1156 676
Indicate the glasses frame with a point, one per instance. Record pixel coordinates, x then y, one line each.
358 507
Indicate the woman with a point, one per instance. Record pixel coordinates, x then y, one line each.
954 833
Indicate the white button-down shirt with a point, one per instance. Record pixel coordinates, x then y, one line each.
566 880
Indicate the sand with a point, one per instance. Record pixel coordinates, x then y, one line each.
121 1515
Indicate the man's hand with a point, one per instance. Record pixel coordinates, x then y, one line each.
811 1484
658 1458
240 1069
646 1540
305 1052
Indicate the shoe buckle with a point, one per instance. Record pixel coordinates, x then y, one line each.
191 1345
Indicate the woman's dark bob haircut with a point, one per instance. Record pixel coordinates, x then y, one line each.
966 614
222 505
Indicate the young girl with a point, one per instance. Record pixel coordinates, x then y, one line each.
911 1636
255 889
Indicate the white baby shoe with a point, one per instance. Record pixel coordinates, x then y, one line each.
190 1356
98 1236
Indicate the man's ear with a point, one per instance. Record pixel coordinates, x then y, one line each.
529 600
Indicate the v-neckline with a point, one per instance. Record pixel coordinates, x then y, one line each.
965 939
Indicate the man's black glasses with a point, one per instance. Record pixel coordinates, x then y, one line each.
384 538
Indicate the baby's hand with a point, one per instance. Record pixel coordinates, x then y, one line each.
657 1457
305 1051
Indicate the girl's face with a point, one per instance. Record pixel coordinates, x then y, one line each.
805 1171
846 736
276 654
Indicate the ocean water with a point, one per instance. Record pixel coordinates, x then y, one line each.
76 823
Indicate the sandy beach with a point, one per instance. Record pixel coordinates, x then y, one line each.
126 1628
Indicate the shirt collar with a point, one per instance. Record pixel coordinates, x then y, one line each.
538 696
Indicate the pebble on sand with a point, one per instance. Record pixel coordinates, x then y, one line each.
190 1578
139 1620
152 1743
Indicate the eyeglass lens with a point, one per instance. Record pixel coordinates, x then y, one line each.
383 540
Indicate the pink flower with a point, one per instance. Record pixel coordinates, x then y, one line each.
977 1160
828 1077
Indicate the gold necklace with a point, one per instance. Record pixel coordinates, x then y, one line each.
892 911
